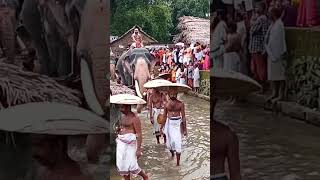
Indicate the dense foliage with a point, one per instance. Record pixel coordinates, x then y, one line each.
158 18
304 81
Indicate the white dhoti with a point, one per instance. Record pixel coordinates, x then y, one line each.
127 162
156 125
172 130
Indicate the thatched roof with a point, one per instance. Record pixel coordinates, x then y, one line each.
20 87
193 29
120 89
130 31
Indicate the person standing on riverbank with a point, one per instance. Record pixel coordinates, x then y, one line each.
196 78
276 48
219 35
190 74
129 138
175 126
156 104
258 30
232 48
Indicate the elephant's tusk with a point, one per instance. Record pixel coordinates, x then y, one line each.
88 88
52 118
137 88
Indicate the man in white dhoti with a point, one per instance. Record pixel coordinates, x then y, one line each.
156 104
129 139
175 125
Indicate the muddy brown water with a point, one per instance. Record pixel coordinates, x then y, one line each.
195 157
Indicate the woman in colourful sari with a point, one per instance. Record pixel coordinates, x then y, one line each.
206 64
308 13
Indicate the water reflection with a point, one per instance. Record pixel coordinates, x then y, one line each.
195 156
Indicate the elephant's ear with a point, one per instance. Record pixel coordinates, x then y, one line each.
127 66
131 58
152 59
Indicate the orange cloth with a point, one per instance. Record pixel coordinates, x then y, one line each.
307 13
173 75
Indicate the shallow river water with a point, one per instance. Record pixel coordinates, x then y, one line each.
195 157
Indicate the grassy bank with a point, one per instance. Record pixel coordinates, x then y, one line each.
303 66
205 83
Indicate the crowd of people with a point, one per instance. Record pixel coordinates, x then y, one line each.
252 41
183 63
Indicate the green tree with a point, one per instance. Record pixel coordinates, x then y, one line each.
153 18
159 18
197 8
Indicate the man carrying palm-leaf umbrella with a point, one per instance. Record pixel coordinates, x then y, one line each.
48 132
129 137
175 125
156 103
31 90
225 144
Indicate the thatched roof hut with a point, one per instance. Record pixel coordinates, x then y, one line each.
20 87
193 29
126 39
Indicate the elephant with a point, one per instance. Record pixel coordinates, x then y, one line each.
54 28
66 33
135 67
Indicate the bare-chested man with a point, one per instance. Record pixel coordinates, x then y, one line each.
175 125
137 38
156 104
129 144
51 151
225 146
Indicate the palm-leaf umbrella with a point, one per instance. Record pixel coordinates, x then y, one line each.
230 83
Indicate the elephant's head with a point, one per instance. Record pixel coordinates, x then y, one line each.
139 64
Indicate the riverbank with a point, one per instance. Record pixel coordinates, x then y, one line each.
291 109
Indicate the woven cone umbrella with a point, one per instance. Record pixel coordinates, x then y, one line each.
163 76
230 83
180 87
128 99
156 83
52 118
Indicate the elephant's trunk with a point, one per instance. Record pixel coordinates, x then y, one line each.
141 76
